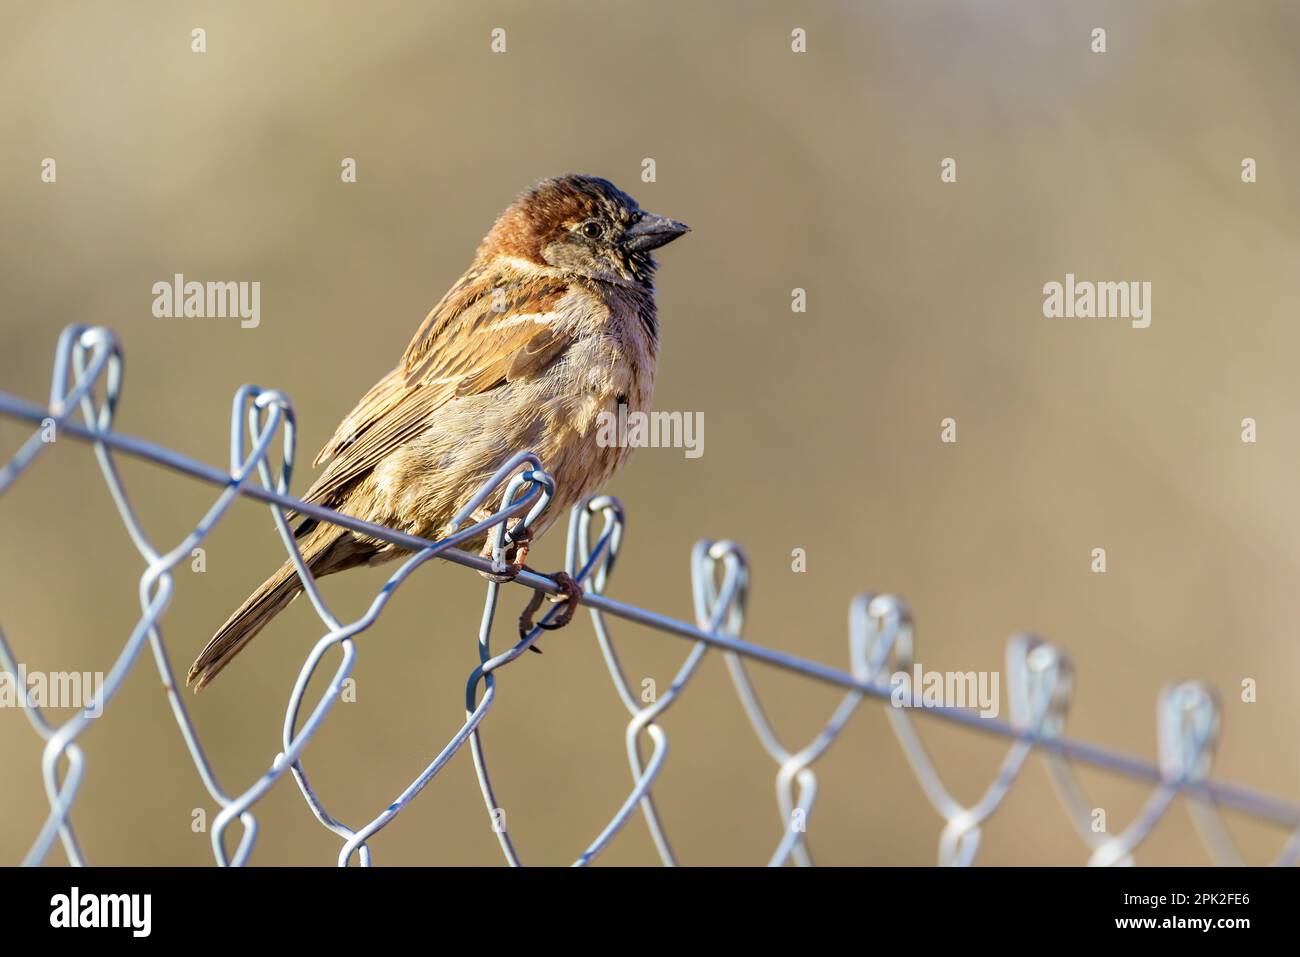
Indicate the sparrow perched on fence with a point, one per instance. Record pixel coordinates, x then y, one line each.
553 323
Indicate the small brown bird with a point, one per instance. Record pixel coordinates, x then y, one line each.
553 323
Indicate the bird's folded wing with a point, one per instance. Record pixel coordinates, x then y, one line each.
463 348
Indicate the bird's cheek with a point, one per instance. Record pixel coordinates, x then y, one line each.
563 255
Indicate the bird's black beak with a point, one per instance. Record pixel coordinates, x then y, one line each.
651 232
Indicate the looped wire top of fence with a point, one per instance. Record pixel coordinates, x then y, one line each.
88 380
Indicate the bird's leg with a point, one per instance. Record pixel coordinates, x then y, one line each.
569 595
514 554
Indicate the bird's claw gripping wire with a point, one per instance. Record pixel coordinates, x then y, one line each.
511 564
513 557
569 595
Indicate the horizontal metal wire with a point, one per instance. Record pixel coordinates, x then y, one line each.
89 359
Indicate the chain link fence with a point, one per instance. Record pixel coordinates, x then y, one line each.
88 380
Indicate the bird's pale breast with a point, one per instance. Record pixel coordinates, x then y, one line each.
556 414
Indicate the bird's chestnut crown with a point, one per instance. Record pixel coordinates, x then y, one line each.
583 225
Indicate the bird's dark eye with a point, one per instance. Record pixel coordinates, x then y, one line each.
592 229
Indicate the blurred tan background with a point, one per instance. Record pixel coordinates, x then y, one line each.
818 171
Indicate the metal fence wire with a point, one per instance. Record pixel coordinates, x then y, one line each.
88 379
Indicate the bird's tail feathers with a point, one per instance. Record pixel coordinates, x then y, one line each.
326 550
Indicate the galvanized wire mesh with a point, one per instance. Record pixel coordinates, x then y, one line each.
88 379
